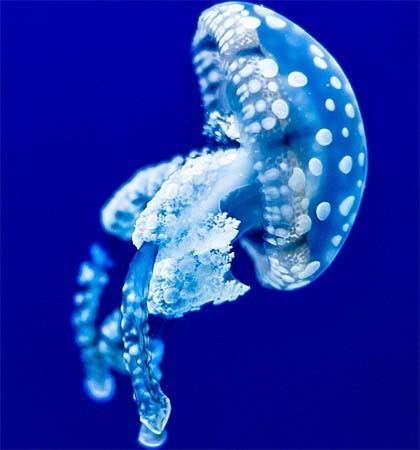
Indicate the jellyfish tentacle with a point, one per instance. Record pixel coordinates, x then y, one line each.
110 346
120 212
93 278
153 405
110 342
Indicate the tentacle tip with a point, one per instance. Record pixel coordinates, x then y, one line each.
100 390
148 439
159 415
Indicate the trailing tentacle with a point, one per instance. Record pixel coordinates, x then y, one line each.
153 405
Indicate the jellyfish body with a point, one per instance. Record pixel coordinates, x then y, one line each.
299 120
283 175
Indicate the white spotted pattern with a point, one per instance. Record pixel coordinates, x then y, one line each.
309 270
319 62
268 67
261 10
345 132
329 104
335 82
250 23
236 7
323 210
315 166
346 205
275 22
260 105
336 240
268 123
272 86
361 159
280 108
297 79
324 137
349 108
255 127
346 164
316 51
254 86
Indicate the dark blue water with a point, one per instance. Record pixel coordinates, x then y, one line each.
92 91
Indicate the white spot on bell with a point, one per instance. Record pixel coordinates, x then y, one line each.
260 105
254 86
361 159
280 108
319 62
246 71
336 240
248 111
345 132
297 79
329 104
346 205
261 10
335 82
349 108
268 123
316 51
250 23
254 128
268 67
309 270
315 166
236 7
324 137
323 210
346 164
276 23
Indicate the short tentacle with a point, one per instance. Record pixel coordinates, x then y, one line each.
93 278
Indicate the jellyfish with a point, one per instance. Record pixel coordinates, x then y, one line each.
282 175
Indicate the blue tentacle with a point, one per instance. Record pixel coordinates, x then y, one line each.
153 405
93 278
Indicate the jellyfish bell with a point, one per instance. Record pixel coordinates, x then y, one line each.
283 174
299 122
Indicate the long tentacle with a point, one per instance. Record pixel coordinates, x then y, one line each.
110 346
153 406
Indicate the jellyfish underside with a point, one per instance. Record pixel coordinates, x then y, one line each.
201 228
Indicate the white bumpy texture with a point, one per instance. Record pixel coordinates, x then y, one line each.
194 237
119 214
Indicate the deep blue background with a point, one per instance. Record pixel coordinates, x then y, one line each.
92 91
